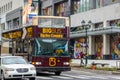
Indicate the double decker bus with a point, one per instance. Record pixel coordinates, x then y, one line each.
44 43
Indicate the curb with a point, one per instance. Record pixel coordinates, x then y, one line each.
95 71
116 72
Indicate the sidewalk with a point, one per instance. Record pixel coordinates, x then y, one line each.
77 67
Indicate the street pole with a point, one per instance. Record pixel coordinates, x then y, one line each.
86 27
86 55
39 7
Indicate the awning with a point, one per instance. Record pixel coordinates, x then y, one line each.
97 31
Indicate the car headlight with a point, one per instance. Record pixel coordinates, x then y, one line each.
9 69
32 68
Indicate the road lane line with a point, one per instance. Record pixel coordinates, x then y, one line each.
62 77
80 77
87 76
115 77
41 77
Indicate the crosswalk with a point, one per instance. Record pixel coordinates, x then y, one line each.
73 77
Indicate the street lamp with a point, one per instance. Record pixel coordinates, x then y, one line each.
86 27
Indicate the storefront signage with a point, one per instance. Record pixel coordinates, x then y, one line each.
11 35
29 32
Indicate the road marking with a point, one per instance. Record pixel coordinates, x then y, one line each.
115 77
41 77
80 77
62 77
82 71
86 76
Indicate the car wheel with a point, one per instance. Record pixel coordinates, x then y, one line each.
33 78
2 76
58 73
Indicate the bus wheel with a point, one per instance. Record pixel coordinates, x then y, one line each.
57 73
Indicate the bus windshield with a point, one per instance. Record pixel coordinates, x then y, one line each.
50 47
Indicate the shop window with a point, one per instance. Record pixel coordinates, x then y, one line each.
115 46
25 46
80 47
18 46
99 47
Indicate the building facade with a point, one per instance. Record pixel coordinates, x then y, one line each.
6 7
103 35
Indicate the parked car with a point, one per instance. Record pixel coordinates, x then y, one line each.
16 67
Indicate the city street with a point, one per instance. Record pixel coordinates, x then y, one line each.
75 74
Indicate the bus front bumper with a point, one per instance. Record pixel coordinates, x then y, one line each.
53 69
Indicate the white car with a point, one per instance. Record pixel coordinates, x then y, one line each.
16 67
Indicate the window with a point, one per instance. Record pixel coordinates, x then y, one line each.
47 11
9 24
6 7
76 6
99 25
0 11
11 5
99 3
3 26
84 5
15 22
62 9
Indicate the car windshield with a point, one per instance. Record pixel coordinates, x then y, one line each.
13 60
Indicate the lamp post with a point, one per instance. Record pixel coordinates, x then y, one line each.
86 27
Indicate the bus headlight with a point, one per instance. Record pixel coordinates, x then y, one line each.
38 63
66 63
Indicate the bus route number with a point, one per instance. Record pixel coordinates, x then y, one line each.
52 61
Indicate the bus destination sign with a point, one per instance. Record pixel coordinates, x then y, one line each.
51 33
